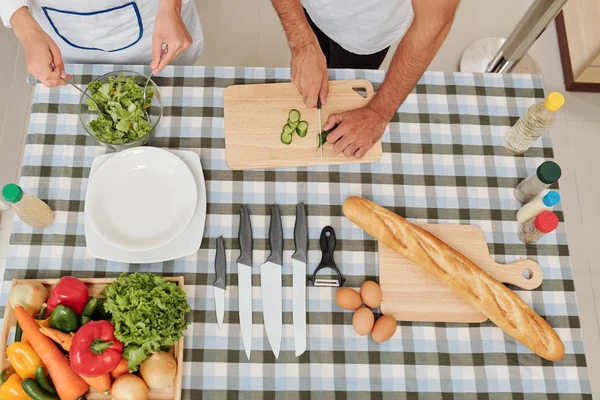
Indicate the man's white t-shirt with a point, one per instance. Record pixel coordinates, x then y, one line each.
361 26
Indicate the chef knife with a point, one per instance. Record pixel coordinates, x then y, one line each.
270 283
244 264
320 128
219 283
299 280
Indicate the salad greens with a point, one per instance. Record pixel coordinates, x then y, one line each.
148 312
123 99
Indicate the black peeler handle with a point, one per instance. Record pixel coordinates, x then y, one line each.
328 242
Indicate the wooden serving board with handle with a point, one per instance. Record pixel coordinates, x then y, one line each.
255 115
95 286
411 294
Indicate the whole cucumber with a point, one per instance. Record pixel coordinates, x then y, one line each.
35 391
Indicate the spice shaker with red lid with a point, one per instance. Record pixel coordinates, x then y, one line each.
544 223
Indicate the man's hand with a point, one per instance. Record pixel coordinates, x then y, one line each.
309 68
357 131
169 29
309 74
44 60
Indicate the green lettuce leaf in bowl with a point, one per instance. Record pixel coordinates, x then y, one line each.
123 99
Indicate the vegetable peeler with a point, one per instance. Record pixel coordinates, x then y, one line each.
327 242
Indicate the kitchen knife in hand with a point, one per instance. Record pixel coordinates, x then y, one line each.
320 128
219 283
299 259
270 283
244 264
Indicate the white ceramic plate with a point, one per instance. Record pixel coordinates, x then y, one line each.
141 199
188 242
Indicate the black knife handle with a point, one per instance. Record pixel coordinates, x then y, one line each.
245 237
301 234
276 237
220 264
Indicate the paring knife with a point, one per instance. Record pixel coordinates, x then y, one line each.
320 127
244 264
219 283
299 280
270 283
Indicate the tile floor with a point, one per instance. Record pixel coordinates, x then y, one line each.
576 133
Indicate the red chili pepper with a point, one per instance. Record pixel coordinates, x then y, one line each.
70 292
95 351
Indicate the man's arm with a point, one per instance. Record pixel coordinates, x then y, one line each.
359 130
309 68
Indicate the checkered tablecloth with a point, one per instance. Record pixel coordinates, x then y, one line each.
443 162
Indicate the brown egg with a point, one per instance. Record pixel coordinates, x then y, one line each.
371 294
363 320
348 299
384 328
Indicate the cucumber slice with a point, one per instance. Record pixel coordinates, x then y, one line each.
288 129
293 124
302 128
286 138
294 115
286 134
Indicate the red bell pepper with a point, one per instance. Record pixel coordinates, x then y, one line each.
95 351
70 292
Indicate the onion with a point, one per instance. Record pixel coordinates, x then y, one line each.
159 370
30 295
129 387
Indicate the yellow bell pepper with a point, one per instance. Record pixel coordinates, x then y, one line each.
23 359
12 389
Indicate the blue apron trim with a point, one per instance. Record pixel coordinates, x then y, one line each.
135 8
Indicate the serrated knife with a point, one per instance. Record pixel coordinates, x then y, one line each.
270 284
244 265
219 283
299 259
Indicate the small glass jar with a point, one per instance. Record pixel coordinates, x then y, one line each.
545 175
544 223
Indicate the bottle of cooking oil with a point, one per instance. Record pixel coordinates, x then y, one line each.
533 124
33 211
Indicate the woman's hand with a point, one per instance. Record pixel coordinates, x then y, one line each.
44 60
170 30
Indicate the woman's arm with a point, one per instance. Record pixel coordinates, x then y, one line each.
44 60
169 30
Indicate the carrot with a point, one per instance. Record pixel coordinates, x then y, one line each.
101 383
68 384
64 339
120 369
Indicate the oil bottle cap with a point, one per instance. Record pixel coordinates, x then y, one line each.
554 101
12 193
548 172
546 221
551 198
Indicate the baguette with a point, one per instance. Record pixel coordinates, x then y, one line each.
500 304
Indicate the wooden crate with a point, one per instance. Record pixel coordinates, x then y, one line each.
95 286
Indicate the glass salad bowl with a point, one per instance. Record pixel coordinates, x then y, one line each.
86 116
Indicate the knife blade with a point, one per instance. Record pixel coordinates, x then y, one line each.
320 127
244 264
219 283
270 283
299 259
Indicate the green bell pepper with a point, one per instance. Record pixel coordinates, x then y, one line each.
64 319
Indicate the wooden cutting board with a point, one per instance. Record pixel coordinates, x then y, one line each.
411 294
255 116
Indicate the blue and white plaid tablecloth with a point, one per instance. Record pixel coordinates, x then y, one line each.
443 162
